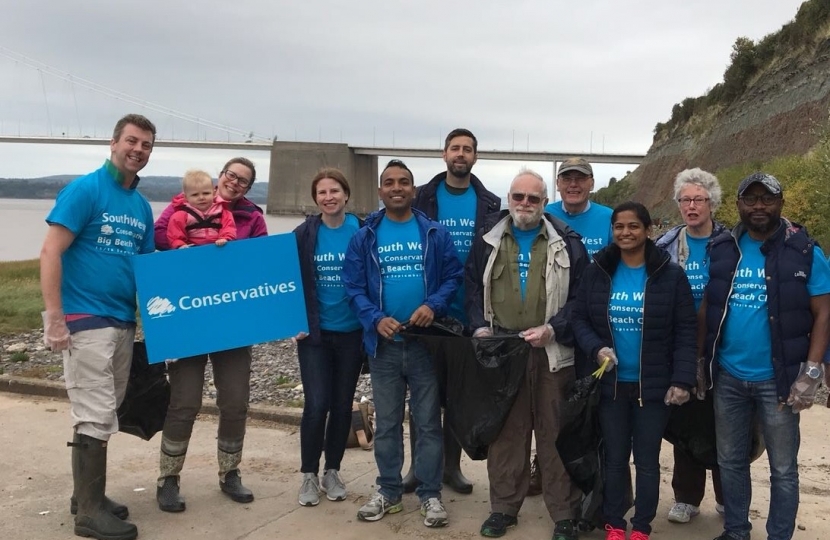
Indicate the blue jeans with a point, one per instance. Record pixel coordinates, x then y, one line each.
735 402
625 423
329 372
399 364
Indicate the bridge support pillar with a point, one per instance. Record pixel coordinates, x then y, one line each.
294 164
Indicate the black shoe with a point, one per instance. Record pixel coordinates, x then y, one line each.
410 481
233 488
168 496
497 524
565 530
535 486
458 482
115 508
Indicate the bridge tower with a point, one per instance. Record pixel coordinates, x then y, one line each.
294 164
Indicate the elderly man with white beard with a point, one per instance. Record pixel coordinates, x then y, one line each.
521 275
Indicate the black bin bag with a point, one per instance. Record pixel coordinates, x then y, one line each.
483 380
145 403
581 448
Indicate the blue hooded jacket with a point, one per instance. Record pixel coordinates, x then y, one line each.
443 273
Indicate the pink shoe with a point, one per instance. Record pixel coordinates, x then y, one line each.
614 534
637 535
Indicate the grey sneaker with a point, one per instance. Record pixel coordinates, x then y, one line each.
333 486
435 515
377 507
683 512
310 490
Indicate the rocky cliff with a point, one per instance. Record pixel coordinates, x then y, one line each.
779 114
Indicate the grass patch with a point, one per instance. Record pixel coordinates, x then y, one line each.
282 380
20 298
295 403
19 356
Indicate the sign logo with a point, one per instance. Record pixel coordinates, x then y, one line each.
159 307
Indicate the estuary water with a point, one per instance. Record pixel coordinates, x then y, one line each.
22 226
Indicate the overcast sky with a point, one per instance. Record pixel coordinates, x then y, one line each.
548 75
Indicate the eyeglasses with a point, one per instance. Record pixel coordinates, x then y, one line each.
767 199
686 201
233 177
532 199
578 178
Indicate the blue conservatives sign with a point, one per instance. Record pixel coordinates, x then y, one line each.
204 299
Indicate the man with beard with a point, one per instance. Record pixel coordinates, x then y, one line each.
521 276
458 200
99 222
767 311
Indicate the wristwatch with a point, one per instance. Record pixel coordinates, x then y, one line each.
814 372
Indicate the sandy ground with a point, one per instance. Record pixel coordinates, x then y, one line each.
35 484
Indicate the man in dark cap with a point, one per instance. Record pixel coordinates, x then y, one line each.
767 311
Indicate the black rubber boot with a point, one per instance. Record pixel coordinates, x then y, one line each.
89 460
167 495
233 488
453 476
410 481
115 508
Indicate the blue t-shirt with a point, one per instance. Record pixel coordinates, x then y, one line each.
697 266
458 214
110 224
401 258
329 252
524 239
593 224
625 314
745 351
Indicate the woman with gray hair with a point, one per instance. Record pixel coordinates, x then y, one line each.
698 196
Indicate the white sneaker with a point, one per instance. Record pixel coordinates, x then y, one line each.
683 513
435 515
333 486
309 490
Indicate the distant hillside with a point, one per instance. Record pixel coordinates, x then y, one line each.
155 188
772 104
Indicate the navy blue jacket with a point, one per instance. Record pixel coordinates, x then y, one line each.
426 200
306 234
669 333
361 273
788 261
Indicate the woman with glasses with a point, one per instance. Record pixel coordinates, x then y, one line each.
698 196
634 312
330 354
231 368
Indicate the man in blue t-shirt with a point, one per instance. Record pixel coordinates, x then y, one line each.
574 182
98 224
401 269
767 310
458 200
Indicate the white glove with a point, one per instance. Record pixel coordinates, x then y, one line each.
538 336
676 396
298 337
55 333
483 332
607 353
